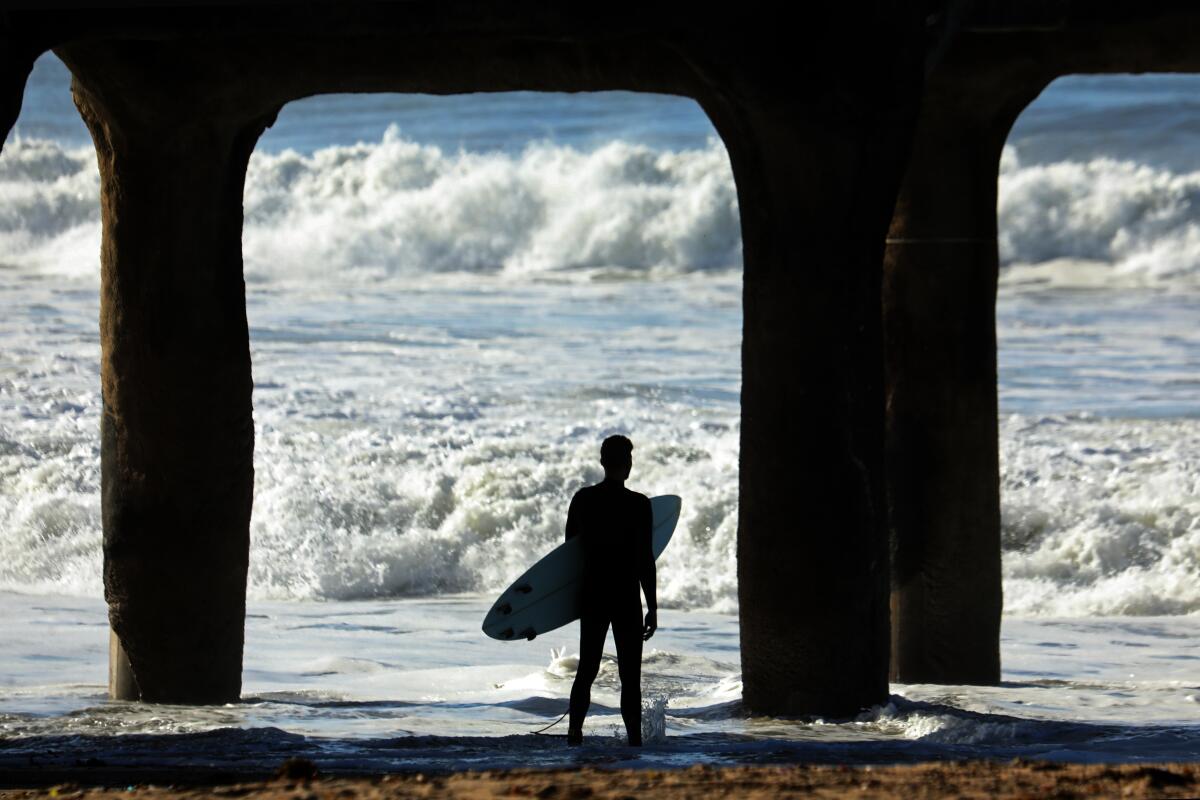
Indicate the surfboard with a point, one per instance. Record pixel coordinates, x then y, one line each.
546 596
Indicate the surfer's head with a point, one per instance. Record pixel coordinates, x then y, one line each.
616 456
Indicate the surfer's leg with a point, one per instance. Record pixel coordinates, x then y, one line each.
592 630
627 633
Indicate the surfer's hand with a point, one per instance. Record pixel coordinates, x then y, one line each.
651 625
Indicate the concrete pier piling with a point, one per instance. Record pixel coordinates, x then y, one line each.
940 272
177 435
943 472
817 178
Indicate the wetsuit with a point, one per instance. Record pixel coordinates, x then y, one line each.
616 525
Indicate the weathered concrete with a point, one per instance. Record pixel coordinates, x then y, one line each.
176 433
940 273
939 301
817 171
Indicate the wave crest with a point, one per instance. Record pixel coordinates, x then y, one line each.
397 208
1141 223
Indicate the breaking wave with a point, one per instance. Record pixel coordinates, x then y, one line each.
425 480
1100 222
397 208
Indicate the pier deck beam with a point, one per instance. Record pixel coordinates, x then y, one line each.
177 433
940 277
817 168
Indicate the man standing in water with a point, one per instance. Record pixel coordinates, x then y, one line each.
616 526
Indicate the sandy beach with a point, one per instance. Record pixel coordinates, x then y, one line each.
978 779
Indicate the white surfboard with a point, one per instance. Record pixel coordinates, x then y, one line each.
546 596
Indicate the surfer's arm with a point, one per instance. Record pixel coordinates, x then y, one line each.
646 571
646 575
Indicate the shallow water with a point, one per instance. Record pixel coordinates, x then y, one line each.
414 684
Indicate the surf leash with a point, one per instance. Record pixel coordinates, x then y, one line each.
552 724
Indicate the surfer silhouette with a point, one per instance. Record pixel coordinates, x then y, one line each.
616 525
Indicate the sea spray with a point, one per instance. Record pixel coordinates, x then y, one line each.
444 462
1101 517
419 434
654 718
1142 222
396 208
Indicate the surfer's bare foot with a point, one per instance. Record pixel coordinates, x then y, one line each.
574 738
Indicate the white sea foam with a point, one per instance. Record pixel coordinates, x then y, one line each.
394 207
443 460
415 440
1141 222
49 207
360 514
438 461
1101 517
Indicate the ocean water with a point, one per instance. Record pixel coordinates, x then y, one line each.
453 300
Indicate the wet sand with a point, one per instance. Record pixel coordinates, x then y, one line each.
912 782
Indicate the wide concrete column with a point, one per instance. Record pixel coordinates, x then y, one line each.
818 163
943 473
177 435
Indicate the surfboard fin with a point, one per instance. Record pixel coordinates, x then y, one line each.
529 633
